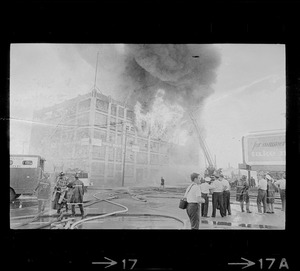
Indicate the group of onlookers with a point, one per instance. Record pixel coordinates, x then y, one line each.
199 191
218 186
267 187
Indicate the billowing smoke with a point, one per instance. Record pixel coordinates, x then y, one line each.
165 82
185 72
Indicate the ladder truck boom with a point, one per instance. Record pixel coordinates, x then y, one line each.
211 167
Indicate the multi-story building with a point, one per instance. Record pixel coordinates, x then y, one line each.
89 132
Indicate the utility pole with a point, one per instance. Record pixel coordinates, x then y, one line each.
96 71
125 132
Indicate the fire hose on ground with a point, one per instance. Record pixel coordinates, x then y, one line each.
37 216
116 213
56 222
73 226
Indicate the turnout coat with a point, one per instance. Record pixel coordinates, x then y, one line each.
60 193
271 192
43 189
242 193
76 191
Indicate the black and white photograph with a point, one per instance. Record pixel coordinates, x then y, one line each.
147 136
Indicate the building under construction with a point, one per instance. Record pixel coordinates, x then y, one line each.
89 133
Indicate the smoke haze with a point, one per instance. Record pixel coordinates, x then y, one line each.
184 72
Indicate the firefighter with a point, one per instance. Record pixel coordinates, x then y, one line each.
76 195
242 194
43 192
59 196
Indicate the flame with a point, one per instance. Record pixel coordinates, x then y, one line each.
163 121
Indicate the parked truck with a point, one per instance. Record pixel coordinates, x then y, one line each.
25 173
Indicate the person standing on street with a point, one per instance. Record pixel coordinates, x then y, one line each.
262 192
76 197
281 185
205 186
226 194
252 182
218 200
271 189
43 190
162 182
242 194
193 196
59 197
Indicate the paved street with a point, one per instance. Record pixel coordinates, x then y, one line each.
148 207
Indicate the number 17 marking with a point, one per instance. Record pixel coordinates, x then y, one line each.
129 260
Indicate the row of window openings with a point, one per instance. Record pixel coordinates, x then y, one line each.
131 161
113 138
97 152
100 120
99 170
103 106
129 144
85 106
100 134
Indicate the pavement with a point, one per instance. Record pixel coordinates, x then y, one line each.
153 202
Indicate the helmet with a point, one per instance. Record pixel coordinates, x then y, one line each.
216 175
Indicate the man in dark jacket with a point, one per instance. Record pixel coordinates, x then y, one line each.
162 182
77 192
242 194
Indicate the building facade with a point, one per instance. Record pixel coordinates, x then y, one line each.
90 132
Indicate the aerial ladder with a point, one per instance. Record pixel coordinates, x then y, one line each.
211 169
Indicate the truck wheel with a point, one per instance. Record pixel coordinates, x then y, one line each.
12 195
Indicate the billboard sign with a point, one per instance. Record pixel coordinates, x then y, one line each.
264 149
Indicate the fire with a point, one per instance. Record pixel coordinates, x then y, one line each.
162 121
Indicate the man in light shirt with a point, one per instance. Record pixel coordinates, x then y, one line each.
226 194
218 189
205 186
193 197
262 192
281 185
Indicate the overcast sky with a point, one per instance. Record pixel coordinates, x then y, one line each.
249 94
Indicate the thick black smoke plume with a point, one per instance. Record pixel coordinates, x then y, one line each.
185 72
